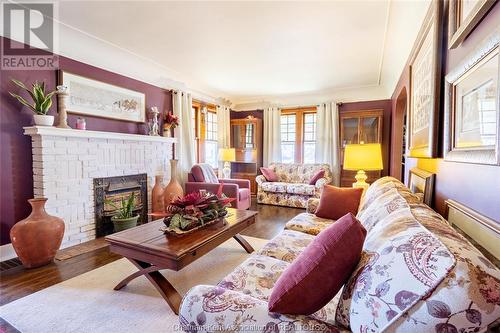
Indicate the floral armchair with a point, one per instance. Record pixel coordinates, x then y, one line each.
292 188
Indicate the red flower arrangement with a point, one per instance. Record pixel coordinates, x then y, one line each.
195 210
171 120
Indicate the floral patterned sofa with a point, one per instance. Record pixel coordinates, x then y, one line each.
292 189
416 274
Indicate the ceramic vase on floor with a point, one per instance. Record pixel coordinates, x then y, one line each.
157 195
174 189
37 238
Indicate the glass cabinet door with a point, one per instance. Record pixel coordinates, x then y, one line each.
350 131
369 130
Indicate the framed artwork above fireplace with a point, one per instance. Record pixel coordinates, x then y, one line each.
95 98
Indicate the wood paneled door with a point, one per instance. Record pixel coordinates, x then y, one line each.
363 126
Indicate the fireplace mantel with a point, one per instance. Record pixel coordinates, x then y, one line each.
66 162
74 133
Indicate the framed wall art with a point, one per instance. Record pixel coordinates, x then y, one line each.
95 98
472 107
425 82
421 182
464 15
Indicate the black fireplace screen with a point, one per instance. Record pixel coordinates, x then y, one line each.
114 189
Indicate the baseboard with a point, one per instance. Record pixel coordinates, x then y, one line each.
7 252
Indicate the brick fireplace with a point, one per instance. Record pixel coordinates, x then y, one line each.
66 162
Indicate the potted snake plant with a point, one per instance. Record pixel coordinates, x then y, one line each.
124 217
41 102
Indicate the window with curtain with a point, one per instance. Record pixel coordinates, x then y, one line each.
298 135
205 132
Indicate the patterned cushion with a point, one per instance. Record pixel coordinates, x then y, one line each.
275 187
256 276
402 263
308 223
304 189
287 245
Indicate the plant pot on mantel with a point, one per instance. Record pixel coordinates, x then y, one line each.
43 120
37 238
124 224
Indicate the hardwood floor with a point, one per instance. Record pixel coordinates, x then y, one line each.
18 282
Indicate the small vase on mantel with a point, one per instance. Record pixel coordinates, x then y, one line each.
157 194
174 189
37 238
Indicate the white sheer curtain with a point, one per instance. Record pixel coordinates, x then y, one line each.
327 138
223 130
184 149
272 135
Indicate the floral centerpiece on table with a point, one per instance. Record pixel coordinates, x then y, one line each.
196 210
169 122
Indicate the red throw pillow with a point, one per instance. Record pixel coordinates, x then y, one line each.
338 201
318 175
269 173
321 270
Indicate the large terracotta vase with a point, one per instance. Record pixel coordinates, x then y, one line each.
37 238
157 195
174 189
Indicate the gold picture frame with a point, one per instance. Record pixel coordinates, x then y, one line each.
90 97
425 84
472 106
421 182
464 15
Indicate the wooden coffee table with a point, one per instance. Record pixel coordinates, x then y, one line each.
150 250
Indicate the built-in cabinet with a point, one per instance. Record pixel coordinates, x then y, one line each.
246 139
363 126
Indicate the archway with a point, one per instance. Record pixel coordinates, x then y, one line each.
399 145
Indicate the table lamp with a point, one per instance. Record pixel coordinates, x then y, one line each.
361 158
227 155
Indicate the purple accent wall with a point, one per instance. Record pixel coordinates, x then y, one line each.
474 185
16 176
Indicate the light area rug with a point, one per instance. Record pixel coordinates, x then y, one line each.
88 303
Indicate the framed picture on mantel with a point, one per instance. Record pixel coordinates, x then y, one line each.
425 82
95 98
472 106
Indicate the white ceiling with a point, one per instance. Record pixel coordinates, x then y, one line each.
254 51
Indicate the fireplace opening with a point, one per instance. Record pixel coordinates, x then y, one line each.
114 189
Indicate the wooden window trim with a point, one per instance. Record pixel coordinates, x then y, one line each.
299 129
201 128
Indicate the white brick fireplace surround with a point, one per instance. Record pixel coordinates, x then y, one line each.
65 162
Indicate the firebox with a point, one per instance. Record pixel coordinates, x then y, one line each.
114 189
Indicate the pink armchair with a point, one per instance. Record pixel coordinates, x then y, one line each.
232 188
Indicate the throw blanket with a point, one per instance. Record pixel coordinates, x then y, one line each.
208 173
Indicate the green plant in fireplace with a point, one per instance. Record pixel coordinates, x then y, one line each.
125 216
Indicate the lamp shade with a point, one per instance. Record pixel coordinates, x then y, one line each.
363 157
227 154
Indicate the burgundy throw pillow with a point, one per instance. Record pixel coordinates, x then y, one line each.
269 173
318 175
197 174
321 270
338 201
